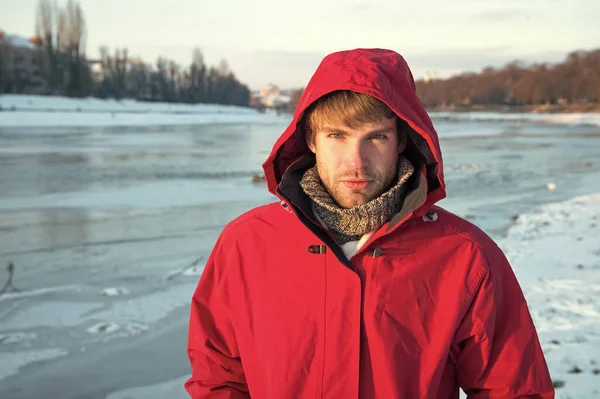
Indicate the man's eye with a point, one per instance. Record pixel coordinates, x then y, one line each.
335 135
378 137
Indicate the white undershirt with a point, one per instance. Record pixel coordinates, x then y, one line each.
352 247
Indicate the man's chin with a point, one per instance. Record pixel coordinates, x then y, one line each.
351 200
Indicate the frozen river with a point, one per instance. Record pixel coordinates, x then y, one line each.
108 229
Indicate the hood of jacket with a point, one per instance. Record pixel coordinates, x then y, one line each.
385 75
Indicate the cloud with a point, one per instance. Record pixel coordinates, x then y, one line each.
459 58
496 15
285 68
362 5
448 62
288 58
294 69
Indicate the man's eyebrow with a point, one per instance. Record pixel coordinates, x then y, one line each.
329 129
382 130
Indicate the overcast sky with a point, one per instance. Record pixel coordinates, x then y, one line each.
272 41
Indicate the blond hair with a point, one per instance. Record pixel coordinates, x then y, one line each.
347 108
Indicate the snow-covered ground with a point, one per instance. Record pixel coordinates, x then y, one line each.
22 102
591 118
33 110
555 252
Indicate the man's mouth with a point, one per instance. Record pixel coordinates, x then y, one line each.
356 184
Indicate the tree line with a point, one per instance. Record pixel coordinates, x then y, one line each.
56 64
576 80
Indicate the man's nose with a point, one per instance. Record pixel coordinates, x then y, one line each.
356 155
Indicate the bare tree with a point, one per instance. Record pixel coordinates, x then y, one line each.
62 36
71 45
223 68
45 26
198 58
72 30
46 29
173 79
6 62
197 85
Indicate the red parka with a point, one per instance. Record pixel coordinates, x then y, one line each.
429 304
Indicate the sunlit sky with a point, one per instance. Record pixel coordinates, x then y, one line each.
282 42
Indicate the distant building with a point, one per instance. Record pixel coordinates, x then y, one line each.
21 58
96 70
271 97
276 101
270 90
430 77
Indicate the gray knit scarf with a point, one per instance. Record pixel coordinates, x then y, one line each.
350 224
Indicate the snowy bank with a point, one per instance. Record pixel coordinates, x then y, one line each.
555 252
32 110
35 110
571 119
22 102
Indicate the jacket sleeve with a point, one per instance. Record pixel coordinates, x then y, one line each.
498 353
212 349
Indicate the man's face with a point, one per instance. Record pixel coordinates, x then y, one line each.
356 165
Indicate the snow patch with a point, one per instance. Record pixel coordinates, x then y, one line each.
52 313
32 110
103 328
555 252
135 328
83 119
572 119
147 309
194 271
109 331
91 104
115 291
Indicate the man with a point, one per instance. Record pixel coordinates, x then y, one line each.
356 285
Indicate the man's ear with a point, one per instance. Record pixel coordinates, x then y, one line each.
310 142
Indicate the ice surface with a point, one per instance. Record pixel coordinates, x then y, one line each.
10 363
